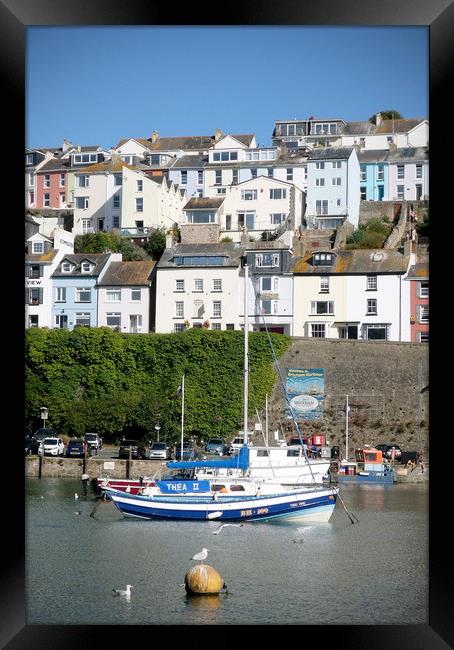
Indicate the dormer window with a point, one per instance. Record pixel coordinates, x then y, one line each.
38 247
86 267
66 267
29 159
322 259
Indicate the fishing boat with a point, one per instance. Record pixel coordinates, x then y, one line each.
369 467
234 496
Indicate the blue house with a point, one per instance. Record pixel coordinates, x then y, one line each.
374 177
74 292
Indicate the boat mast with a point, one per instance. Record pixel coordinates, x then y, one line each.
182 416
246 351
347 408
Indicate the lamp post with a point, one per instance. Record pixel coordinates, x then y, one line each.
44 414
158 428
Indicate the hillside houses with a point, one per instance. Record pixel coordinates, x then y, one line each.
224 201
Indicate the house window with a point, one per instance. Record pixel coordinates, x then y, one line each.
225 156
319 165
82 319
217 308
270 172
29 159
113 320
140 186
419 171
62 199
60 294
179 327
248 195
276 218
116 200
136 295
400 192
246 219
66 267
83 294
86 267
322 259
217 285
324 284
290 173
321 207
46 180
184 177
62 180
363 192
318 330
179 285
423 289
376 332
34 271
322 307
380 173
113 295
216 326
86 225
278 193
363 175
337 164
371 283
230 326
201 216
115 221
423 313
371 307
266 284
82 202
267 259
338 203
336 181
83 181
31 198
35 296
221 190
320 182
118 179
198 284
423 337
61 321
179 309
400 171
139 204
218 177
38 247
234 176
47 200
200 177
253 173
228 222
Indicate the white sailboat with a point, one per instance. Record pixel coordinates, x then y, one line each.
233 496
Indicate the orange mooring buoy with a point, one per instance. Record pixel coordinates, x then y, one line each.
202 580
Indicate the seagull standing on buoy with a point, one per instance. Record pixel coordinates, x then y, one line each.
200 556
123 592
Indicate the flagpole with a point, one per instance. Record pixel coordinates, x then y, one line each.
182 416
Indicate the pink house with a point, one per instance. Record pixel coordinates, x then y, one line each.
418 277
51 184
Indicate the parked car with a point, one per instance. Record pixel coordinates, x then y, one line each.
76 448
31 446
387 451
93 440
159 450
52 447
217 446
42 433
137 448
190 452
236 444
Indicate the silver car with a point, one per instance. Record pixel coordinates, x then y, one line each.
159 450
52 447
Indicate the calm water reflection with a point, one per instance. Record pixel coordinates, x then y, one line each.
373 572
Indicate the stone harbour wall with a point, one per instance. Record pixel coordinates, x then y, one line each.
95 467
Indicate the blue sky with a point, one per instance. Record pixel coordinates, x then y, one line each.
96 85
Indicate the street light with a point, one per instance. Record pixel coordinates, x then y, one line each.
158 428
44 414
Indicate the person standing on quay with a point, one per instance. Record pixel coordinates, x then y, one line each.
421 461
85 478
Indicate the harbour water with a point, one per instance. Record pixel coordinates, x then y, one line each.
371 572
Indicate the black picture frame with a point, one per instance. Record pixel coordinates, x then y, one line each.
15 17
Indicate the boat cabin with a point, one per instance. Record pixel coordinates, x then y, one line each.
369 455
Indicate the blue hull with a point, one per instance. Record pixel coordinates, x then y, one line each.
384 479
316 507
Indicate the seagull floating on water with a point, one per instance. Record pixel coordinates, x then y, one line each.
76 496
123 592
218 530
200 556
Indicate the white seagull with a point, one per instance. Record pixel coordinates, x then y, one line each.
76 496
200 556
123 592
218 530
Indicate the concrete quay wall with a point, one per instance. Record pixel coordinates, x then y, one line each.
95 467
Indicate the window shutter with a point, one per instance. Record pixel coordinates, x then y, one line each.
41 270
27 295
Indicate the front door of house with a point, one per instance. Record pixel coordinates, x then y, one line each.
381 192
352 331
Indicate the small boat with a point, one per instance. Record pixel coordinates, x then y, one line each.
369 467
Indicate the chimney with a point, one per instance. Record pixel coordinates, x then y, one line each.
67 145
217 135
244 240
154 137
378 119
170 240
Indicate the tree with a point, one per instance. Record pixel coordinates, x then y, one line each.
156 243
100 242
386 115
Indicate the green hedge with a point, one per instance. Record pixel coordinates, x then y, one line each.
113 383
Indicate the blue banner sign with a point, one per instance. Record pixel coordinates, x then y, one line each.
305 390
183 487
